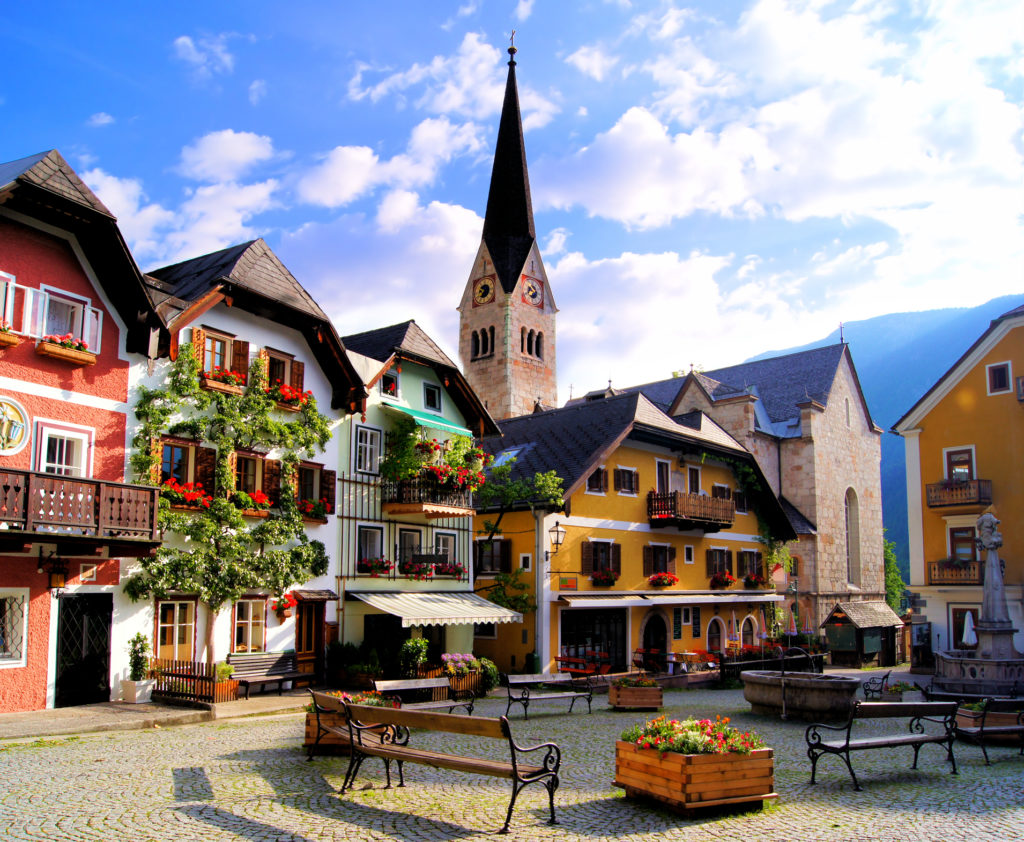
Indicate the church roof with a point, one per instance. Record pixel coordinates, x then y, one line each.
509 232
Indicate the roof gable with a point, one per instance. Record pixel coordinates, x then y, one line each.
49 171
381 343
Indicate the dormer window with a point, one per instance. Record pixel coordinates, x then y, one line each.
389 384
432 397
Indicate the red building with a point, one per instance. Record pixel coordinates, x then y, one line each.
75 318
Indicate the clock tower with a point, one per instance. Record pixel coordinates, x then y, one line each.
507 312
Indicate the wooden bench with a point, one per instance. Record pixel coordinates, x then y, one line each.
385 733
523 689
940 714
874 687
997 720
418 686
260 669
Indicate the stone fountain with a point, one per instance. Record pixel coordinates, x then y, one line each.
994 667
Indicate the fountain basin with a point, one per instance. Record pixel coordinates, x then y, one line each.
816 698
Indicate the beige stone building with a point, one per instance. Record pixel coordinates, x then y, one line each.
804 418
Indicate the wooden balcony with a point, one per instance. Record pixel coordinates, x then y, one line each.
425 496
972 492
946 573
689 511
79 515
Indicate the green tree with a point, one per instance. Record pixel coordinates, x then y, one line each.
894 584
501 492
215 552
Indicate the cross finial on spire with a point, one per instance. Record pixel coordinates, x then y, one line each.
512 48
840 331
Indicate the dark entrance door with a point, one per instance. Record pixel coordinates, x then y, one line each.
83 649
655 633
309 637
596 629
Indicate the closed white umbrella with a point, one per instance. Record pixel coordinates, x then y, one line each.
969 638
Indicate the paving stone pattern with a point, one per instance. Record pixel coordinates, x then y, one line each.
249 779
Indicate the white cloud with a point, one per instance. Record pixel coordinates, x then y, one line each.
595 62
257 91
217 215
224 155
207 56
524 8
100 118
143 224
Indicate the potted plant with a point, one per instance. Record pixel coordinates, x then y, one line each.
416 569
662 580
449 568
694 763
226 688
283 605
374 567
603 577
288 397
635 692
138 687
8 338
722 579
894 692
754 580
314 509
67 347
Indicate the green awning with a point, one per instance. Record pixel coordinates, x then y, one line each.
429 419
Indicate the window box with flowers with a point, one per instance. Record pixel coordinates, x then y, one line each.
256 504
721 580
375 567
693 763
287 397
282 605
430 451
189 495
316 510
662 580
66 348
754 581
222 380
450 568
635 692
603 578
8 338
416 569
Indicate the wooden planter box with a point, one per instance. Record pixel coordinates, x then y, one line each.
9 340
892 695
288 407
687 782
225 691
634 698
329 743
69 355
966 719
218 386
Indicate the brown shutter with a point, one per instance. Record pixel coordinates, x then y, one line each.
298 374
710 558
671 559
263 355
206 468
617 559
648 561
476 558
634 482
328 488
604 479
240 358
695 617
506 556
728 561
272 480
156 453
759 562
199 346
587 559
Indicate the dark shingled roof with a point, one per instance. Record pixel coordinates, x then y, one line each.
51 172
408 336
509 233
250 266
800 524
867 614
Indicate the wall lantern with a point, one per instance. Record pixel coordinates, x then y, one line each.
557 533
58 573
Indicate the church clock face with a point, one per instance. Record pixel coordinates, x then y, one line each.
483 290
533 291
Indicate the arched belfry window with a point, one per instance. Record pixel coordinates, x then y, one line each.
474 342
522 340
490 339
538 345
529 343
852 512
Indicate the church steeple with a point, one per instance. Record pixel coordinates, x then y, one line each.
508 223
507 312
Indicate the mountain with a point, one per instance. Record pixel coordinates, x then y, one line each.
898 358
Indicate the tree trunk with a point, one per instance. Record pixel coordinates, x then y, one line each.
211 617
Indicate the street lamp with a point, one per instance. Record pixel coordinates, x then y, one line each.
557 533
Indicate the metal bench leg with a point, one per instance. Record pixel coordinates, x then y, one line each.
952 759
917 749
846 759
552 785
814 762
355 760
984 750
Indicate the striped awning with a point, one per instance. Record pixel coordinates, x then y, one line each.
604 600
439 609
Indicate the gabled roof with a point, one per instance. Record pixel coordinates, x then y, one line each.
956 372
866 615
255 280
45 188
509 232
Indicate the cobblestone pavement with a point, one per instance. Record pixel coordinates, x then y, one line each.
249 779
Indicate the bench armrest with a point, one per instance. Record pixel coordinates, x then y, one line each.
551 761
813 736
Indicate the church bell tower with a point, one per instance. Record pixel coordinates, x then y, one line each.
507 311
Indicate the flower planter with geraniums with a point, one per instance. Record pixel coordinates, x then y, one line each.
662 580
416 569
450 568
635 692
287 397
754 581
8 338
283 605
721 580
256 504
189 495
603 578
223 380
314 509
66 348
691 764
375 567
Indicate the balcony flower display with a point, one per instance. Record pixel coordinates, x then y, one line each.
459 663
318 509
662 580
283 393
375 567
225 376
449 568
603 577
283 605
754 580
189 494
67 341
416 569
722 579
429 450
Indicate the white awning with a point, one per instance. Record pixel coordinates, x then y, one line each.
439 609
712 599
604 600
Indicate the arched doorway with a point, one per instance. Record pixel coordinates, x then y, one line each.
716 635
655 634
747 634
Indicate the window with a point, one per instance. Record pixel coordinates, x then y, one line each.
306 483
64 450
215 353
847 412
250 625
696 621
852 512
959 620
492 556
750 563
408 543
962 546
185 462
432 397
445 543
174 463
277 369
597 482
389 384
55 312
740 499
221 351
662 471
999 378
245 474
719 561
627 480
688 554
13 627
485 630
525 561
721 492
659 558
693 480
367 450
960 464
370 542
176 630
506 456
601 555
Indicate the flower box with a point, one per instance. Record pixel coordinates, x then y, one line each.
225 691
312 519
892 695
8 339
967 718
691 781
255 513
68 355
330 743
217 386
635 698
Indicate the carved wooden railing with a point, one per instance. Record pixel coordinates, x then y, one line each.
48 503
945 573
678 505
967 493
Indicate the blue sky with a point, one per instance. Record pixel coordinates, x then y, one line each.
711 180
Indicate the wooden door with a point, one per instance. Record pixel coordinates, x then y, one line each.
309 637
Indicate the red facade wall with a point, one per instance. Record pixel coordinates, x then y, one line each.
24 688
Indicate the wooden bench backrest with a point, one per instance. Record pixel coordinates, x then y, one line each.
262 663
1004 705
887 710
450 723
409 684
545 677
332 703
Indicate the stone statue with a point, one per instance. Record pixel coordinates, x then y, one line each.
989 537
993 607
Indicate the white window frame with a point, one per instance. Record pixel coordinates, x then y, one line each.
34 316
1009 378
526 560
728 488
188 656
22 631
398 385
257 618
586 486
440 399
454 536
746 503
974 459
636 474
8 288
408 530
47 428
362 527
374 451
668 475
493 631
688 554
700 479
228 339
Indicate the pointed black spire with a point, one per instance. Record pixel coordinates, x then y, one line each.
508 223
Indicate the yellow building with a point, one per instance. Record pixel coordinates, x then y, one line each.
647 497
964 442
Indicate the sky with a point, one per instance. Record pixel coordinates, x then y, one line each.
710 180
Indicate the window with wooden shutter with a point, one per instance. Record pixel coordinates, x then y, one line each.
740 498
721 492
597 482
272 480
156 449
328 488
648 561
626 481
298 375
719 561
240 358
670 564
616 559
206 469
587 558
199 345
492 556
